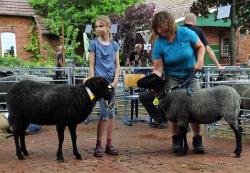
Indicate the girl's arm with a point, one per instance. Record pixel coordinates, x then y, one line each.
91 64
128 62
200 50
117 70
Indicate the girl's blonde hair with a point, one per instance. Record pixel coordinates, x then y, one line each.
107 22
164 19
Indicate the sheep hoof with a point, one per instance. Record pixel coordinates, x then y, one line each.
237 155
20 157
78 157
181 153
25 153
60 159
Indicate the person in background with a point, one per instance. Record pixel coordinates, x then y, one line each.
135 57
104 61
59 62
147 58
175 59
190 22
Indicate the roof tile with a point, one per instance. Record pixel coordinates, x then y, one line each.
22 8
176 7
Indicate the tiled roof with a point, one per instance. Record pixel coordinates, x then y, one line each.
40 25
177 7
16 8
21 8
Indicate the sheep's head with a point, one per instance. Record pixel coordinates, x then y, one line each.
100 88
152 82
157 84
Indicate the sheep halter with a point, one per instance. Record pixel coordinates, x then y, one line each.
91 95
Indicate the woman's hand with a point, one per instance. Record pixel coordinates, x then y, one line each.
198 66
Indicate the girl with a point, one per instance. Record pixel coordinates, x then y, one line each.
104 61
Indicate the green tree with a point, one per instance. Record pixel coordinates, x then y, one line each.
75 14
239 15
33 47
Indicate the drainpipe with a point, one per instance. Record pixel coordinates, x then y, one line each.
233 34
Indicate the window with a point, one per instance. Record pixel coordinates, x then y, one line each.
225 46
8 43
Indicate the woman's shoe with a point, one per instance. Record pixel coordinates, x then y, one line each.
197 145
176 143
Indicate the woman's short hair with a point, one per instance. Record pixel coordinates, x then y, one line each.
163 19
190 18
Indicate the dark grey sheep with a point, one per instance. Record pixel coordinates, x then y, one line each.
244 91
7 82
203 106
5 73
51 104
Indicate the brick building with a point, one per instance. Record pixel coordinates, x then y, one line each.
244 49
16 19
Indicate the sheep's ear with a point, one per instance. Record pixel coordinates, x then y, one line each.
168 90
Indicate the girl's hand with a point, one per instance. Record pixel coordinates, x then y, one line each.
114 84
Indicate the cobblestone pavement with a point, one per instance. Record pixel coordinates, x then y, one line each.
142 150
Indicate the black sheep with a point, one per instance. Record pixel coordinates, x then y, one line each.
50 104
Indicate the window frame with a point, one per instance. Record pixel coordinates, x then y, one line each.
12 41
225 48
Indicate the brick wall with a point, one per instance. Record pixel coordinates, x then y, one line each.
244 49
214 35
20 26
243 41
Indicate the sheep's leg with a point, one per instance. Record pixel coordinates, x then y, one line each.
240 128
238 148
18 149
17 131
72 129
183 141
22 140
23 146
60 132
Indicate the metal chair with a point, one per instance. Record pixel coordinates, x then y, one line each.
131 93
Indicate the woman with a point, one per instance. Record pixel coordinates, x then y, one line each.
174 58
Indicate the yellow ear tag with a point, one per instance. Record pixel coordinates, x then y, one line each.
156 101
109 86
92 97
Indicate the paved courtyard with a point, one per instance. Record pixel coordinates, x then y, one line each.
142 150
